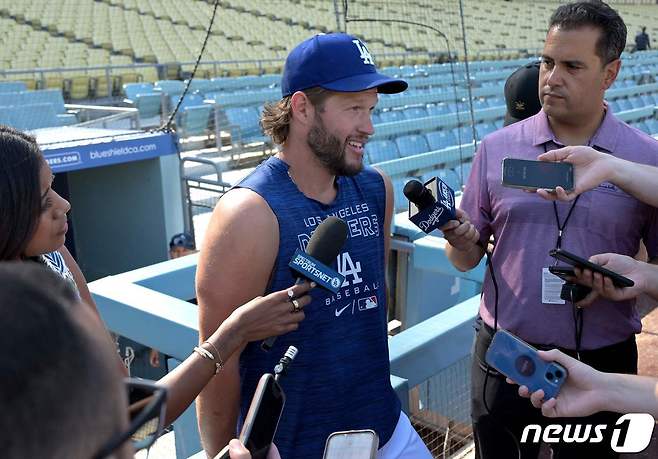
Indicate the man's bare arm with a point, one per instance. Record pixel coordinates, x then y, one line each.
236 260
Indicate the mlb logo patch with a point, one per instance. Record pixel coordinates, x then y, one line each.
367 303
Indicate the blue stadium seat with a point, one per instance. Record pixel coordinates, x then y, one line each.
466 134
484 129
447 175
34 116
199 85
12 86
648 100
401 203
247 120
652 125
381 150
375 118
480 103
193 120
169 87
636 102
465 169
391 116
148 105
624 104
130 90
495 101
10 98
190 100
614 105
414 113
438 109
409 145
439 140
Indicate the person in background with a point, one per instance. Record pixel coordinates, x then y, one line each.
181 244
642 41
521 96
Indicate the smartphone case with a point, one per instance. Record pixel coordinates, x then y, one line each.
519 361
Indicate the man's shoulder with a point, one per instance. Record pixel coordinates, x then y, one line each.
636 145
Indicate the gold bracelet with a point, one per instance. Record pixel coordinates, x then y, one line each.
206 354
218 358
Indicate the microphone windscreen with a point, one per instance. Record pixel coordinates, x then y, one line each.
413 190
327 240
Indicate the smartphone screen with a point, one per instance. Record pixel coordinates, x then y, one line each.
263 417
519 361
533 175
353 444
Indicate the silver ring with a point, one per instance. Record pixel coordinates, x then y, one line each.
295 305
291 295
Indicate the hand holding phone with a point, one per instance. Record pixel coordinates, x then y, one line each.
262 419
519 361
574 260
535 175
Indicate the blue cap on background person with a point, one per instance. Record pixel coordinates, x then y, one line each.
336 62
522 93
184 240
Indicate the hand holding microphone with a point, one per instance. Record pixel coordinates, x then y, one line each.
324 246
461 233
433 213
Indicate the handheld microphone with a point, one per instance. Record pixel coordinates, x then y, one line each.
324 246
431 205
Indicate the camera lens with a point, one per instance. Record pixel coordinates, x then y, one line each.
558 374
549 376
525 365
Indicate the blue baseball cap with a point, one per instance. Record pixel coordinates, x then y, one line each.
337 62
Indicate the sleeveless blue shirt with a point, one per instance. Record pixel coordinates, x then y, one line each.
340 379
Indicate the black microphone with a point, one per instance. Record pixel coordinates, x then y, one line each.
418 194
434 204
324 246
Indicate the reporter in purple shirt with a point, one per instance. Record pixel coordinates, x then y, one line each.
580 60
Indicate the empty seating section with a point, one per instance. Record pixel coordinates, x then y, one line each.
151 44
250 37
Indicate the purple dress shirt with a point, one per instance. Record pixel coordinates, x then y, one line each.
605 219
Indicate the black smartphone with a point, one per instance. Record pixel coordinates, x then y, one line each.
262 419
574 260
533 175
563 272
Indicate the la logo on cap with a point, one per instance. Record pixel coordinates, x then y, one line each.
363 52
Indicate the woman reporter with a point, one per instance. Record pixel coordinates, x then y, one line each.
33 226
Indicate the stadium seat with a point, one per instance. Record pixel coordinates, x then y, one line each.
463 134
12 86
652 126
390 116
447 175
414 113
438 109
439 140
410 145
484 129
193 120
401 202
132 89
381 150
169 87
246 120
624 104
465 169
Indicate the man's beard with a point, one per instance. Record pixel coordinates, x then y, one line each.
329 150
